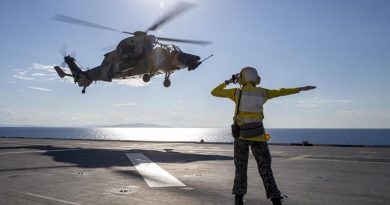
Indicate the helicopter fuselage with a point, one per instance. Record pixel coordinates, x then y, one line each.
140 55
161 58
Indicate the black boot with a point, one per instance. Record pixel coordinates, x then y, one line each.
238 199
276 201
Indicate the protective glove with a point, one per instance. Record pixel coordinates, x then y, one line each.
307 88
233 79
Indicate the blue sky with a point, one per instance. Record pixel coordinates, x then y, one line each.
342 47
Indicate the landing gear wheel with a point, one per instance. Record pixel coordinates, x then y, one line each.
83 91
146 78
167 83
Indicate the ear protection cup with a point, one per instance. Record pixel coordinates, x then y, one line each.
258 80
239 81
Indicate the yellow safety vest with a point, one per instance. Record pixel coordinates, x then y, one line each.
252 101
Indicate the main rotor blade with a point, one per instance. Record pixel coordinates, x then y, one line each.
184 41
71 20
179 8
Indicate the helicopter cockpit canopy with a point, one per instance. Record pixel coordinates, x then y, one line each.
176 48
170 48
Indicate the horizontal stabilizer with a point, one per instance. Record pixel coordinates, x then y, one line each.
60 72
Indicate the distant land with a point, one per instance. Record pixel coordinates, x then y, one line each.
130 125
3 125
140 125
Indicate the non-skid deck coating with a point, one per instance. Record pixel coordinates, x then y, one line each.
43 171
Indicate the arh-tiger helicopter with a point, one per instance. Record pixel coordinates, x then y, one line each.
139 55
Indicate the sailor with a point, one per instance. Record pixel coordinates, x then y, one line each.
248 130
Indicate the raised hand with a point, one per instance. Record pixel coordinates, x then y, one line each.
233 79
227 82
310 87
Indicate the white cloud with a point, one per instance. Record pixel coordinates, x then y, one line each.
358 112
39 117
320 101
22 77
136 82
40 89
21 72
124 104
67 80
313 102
39 74
5 111
48 68
46 73
344 101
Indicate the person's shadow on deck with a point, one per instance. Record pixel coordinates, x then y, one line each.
100 158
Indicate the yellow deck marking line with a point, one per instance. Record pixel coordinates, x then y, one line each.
297 157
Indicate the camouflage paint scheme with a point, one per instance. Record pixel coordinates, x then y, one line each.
140 55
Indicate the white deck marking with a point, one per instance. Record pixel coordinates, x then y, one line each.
153 175
297 157
38 151
53 199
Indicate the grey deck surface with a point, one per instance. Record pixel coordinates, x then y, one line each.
43 171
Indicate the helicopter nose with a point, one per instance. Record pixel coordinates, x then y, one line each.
192 61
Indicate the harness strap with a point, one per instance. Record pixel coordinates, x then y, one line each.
237 105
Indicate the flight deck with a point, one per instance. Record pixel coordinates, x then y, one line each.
50 171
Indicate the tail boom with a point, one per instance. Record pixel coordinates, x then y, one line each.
80 77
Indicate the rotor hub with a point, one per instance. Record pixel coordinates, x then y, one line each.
139 33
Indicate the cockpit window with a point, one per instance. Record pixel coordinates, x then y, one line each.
176 48
170 48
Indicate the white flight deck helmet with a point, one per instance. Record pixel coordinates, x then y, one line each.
249 75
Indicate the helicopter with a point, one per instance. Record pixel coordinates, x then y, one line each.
140 55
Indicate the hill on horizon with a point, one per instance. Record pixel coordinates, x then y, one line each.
139 125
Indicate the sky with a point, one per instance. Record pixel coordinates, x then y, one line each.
342 47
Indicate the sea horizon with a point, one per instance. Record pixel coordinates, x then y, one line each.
166 126
310 136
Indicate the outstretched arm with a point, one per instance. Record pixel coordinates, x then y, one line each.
286 91
221 91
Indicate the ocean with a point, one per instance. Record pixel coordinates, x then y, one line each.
371 137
